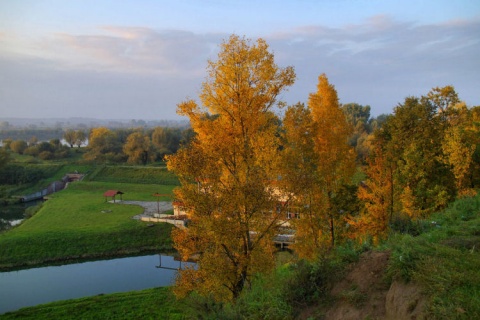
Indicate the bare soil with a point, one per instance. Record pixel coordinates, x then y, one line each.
365 294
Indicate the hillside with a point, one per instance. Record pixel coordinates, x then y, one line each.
430 276
428 272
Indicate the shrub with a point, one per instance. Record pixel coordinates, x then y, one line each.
46 155
31 151
18 146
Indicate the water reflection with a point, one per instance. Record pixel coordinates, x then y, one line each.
13 215
41 285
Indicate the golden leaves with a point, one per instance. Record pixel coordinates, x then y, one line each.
225 172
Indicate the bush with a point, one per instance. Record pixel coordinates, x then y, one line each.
46 155
23 174
31 151
18 146
406 226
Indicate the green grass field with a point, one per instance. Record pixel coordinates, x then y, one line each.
72 226
126 174
158 303
444 260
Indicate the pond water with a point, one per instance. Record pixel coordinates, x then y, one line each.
41 285
13 215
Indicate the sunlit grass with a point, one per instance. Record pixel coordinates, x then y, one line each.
136 174
78 223
444 261
158 303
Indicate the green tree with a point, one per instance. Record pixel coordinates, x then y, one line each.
33 141
103 145
80 138
6 143
70 137
443 98
166 140
138 148
227 171
4 157
413 137
18 146
358 117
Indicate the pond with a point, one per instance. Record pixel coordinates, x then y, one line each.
12 215
30 287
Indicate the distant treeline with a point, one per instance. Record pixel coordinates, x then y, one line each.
85 123
27 134
134 145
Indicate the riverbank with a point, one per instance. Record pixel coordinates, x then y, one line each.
157 303
32 287
77 224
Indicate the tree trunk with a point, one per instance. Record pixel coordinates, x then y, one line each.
332 231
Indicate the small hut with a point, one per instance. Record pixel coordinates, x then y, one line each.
112 194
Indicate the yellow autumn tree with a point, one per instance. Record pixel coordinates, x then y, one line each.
102 145
459 145
377 194
300 179
227 172
337 158
317 140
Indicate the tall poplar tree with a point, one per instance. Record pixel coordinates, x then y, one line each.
300 178
228 171
336 156
317 151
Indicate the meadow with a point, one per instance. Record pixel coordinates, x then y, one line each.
78 223
157 303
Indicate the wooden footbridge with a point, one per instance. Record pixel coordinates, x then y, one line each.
284 240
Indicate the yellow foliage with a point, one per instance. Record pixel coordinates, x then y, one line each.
377 194
227 171
317 161
408 204
138 148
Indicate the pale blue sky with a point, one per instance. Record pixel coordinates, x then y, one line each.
138 59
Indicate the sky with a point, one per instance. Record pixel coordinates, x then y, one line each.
138 59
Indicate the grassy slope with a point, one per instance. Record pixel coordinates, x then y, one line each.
72 226
444 261
157 303
139 174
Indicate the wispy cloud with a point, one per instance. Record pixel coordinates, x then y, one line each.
378 62
382 60
124 49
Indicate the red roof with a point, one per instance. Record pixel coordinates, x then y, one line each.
112 193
